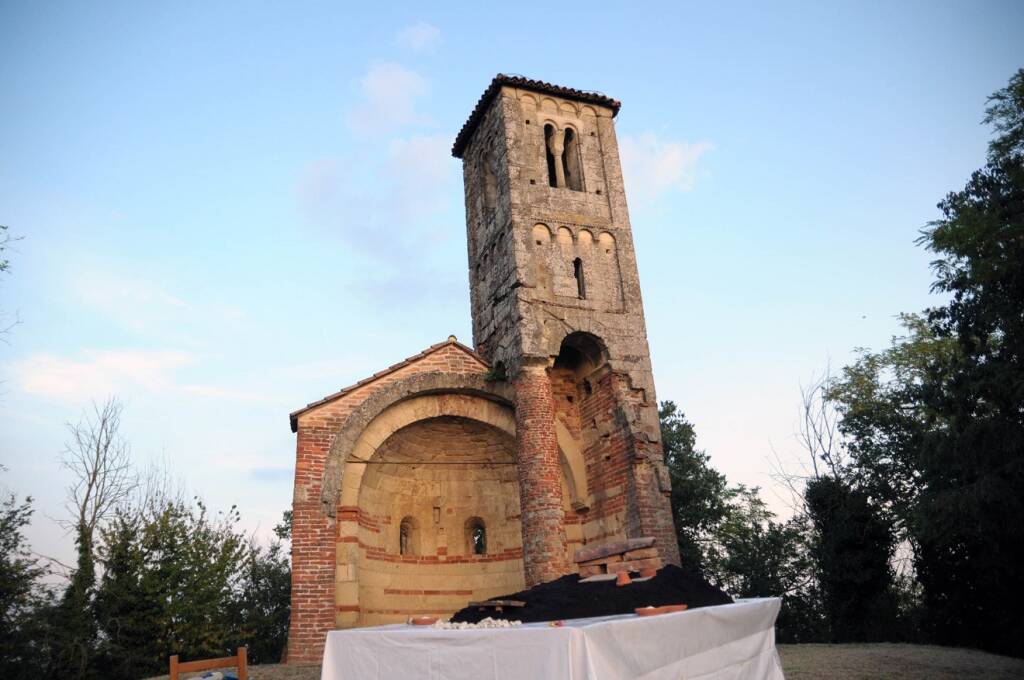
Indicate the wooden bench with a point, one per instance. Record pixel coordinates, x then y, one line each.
238 660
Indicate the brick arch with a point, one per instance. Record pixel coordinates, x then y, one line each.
431 384
407 412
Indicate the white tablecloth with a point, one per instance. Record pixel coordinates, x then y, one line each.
728 642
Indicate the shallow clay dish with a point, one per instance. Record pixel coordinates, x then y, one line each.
422 620
654 611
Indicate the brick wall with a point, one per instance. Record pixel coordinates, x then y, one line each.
540 478
312 551
314 534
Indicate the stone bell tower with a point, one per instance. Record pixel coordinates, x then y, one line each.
557 310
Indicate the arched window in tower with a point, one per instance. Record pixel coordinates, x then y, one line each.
549 140
571 161
577 272
476 536
407 536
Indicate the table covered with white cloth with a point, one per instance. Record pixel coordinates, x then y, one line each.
727 642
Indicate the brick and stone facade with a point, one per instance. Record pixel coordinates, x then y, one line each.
460 474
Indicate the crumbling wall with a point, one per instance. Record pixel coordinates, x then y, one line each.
550 261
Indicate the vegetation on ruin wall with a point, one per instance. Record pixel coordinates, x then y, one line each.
907 521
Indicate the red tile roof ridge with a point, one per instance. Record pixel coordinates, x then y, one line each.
387 371
513 80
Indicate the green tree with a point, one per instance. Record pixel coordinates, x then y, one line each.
193 568
177 580
972 454
852 549
74 626
262 604
732 537
698 490
24 602
129 611
755 555
936 421
851 539
102 480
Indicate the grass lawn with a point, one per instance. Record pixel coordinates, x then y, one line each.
832 662
894 662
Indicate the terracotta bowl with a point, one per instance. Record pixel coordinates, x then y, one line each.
623 579
422 620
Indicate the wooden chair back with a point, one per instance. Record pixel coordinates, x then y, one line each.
239 660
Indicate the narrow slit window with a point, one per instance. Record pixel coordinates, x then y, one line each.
549 132
577 272
570 161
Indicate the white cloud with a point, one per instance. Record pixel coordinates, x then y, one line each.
652 166
419 37
421 169
392 208
144 307
342 371
97 373
389 98
133 302
319 186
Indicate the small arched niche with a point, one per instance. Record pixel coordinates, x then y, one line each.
408 537
607 243
476 536
565 236
541 235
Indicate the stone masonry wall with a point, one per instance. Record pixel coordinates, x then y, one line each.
525 237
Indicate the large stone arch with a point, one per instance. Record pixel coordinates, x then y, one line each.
401 390
412 410
366 558
422 396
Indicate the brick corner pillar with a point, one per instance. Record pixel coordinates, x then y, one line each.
313 557
540 477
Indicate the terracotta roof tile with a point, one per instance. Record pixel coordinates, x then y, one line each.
527 84
294 415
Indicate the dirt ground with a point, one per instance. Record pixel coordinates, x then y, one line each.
813 662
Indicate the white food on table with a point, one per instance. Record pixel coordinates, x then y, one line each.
483 623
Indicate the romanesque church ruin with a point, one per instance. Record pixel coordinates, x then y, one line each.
463 473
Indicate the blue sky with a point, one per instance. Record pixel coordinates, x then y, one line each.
232 209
